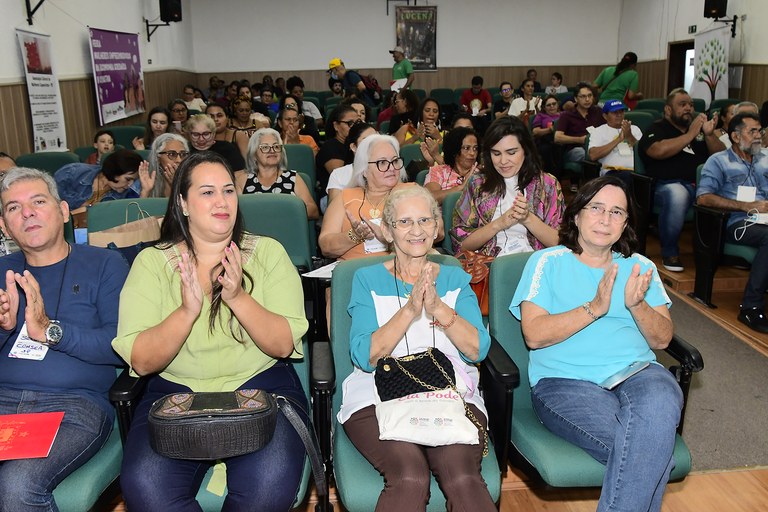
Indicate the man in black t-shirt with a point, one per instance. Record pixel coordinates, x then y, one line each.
351 82
672 150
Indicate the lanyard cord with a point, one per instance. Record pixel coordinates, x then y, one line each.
61 286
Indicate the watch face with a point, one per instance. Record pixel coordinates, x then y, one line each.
53 333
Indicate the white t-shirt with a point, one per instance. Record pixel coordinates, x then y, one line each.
196 104
339 178
514 239
622 155
310 109
520 105
551 89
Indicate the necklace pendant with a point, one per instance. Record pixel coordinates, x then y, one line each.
407 295
375 213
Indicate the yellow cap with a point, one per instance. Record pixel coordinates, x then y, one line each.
334 63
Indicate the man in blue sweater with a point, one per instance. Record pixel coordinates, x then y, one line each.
58 315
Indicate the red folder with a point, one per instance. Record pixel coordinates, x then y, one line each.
28 436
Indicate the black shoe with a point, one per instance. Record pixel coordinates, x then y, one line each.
673 264
754 318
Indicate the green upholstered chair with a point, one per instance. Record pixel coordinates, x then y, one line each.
449 202
457 94
422 176
384 127
301 158
710 248
126 393
656 104
444 96
421 94
331 102
108 214
722 102
358 484
641 119
124 135
84 152
48 161
410 152
558 462
699 105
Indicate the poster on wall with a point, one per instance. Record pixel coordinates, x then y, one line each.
48 132
117 74
416 32
710 72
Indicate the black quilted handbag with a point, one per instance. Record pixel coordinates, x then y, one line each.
430 370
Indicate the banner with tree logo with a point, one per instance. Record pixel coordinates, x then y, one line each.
416 32
710 71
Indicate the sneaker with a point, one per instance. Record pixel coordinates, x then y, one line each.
574 188
754 318
673 264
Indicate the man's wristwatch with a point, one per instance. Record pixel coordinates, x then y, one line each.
53 333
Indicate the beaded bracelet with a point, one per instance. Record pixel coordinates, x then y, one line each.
437 323
588 309
353 236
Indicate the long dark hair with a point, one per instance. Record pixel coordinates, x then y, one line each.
175 229
629 59
354 133
149 137
531 168
569 232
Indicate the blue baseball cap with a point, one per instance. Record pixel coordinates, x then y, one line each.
613 106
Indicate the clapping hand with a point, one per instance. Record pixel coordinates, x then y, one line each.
9 302
637 286
34 314
231 280
602 301
191 291
146 178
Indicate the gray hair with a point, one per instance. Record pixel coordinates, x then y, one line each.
154 164
740 107
407 192
363 156
203 119
27 174
251 163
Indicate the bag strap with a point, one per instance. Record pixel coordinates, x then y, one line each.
308 437
143 214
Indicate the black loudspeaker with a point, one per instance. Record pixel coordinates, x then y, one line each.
170 10
715 8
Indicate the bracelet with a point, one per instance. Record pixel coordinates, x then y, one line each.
437 323
353 236
588 309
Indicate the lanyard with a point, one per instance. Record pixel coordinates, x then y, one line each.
61 286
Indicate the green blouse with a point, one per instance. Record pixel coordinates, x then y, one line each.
211 361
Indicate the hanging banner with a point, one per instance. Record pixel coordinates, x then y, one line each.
48 132
416 32
117 74
710 72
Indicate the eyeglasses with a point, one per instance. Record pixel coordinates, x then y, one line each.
474 148
270 148
406 224
178 110
754 132
351 122
202 135
173 155
616 215
385 165
506 89
585 96
550 104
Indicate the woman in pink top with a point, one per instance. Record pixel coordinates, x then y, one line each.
461 154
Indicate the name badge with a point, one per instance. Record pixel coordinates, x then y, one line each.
746 194
374 244
27 348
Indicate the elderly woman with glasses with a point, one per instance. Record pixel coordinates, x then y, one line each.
168 151
267 168
201 131
352 223
594 377
405 306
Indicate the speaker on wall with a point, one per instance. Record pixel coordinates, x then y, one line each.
170 10
715 8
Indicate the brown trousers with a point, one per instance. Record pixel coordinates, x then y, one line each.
406 468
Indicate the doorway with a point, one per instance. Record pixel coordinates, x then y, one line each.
680 65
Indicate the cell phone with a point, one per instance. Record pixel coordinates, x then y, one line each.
623 374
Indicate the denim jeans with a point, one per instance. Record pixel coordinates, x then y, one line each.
264 480
673 197
26 485
630 429
576 154
755 236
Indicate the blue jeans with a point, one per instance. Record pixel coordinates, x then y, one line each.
27 485
264 480
630 429
576 154
755 236
673 197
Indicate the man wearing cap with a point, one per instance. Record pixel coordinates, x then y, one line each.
671 150
351 81
403 67
613 143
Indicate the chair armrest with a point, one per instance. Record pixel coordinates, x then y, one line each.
591 169
685 353
710 228
322 370
500 366
126 388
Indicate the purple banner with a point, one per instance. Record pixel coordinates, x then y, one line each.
117 74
